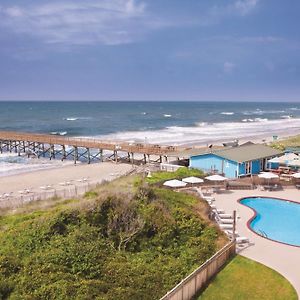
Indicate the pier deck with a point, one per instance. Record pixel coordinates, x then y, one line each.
50 146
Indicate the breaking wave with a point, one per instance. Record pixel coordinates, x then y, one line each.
203 133
227 113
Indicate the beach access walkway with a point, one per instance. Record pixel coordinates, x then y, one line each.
283 258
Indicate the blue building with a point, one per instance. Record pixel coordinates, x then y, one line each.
235 162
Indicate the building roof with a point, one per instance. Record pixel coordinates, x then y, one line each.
246 152
186 153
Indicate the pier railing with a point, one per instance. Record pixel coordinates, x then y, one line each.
193 283
144 148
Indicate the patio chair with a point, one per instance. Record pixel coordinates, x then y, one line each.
225 216
226 226
242 240
207 198
226 221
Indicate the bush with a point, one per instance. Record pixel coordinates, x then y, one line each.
121 246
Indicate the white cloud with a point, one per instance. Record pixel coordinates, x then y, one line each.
228 67
13 11
245 6
238 8
107 22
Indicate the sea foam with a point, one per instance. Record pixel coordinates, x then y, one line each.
203 133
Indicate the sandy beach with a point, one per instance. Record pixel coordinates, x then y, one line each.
56 179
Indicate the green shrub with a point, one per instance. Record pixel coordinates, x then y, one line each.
120 246
160 177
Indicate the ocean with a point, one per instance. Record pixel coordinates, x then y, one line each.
178 123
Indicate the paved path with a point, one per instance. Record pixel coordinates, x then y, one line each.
282 258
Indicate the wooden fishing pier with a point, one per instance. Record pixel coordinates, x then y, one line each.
51 146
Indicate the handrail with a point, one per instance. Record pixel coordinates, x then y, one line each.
89 143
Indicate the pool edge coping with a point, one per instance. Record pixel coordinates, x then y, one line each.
255 215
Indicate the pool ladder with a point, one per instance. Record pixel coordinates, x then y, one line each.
262 233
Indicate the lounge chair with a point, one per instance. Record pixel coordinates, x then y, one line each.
207 198
226 226
225 216
229 233
219 210
242 240
226 221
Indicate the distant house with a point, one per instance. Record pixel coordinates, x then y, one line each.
234 162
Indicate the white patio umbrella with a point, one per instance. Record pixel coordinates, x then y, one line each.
294 162
296 175
192 180
216 178
268 176
174 183
285 159
274 160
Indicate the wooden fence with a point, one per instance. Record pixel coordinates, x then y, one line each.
194 282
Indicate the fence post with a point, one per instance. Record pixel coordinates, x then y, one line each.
234 224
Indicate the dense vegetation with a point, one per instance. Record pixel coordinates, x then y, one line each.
125 240
245 279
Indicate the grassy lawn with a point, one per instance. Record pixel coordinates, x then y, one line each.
243 278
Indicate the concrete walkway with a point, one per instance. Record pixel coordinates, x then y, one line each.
282 258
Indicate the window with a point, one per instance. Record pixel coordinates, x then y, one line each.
248 167
262 164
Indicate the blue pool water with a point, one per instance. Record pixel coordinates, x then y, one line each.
278 220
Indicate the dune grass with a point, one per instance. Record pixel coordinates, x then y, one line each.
293 141
160 177
245 279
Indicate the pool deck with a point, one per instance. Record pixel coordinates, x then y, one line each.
283 258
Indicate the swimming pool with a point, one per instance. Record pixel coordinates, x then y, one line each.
275 219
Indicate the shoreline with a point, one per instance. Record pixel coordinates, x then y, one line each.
255 139
57 164
59 172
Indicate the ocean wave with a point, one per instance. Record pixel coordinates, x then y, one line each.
70 119
262 112
62 133
261 119
76 118
287 117
227 113
201 124
203 133
11 164
167 116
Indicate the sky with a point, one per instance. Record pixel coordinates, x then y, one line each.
208 50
